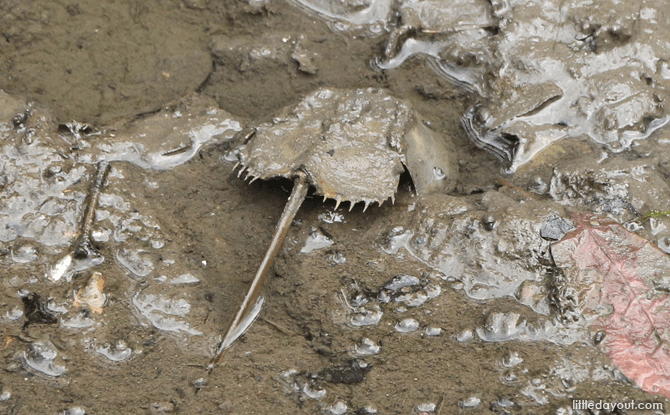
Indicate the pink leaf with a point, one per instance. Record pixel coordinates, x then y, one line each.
622 282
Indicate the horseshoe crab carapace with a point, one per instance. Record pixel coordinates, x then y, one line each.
351 145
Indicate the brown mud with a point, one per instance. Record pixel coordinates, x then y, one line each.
110 63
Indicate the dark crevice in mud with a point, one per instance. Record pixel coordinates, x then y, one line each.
36 311
349 373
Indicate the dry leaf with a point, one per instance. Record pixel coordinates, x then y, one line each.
623 284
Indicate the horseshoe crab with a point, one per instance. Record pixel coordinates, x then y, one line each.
351 145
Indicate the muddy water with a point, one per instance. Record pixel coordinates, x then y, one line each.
440 303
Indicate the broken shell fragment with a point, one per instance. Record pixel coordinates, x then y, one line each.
91 295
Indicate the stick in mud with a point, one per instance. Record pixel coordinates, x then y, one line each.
83 251
84 248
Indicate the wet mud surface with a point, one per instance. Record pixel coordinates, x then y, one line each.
455 301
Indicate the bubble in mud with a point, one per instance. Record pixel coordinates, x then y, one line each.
433 331
401 281
464 336
101 235
313 393
338 408
116 353
412 300
539 187
358 299
407 325
14 314
157 243
416 299
501 327
41 357
75 410
337 258
5 395
185 279
297 385
664 244
316 240
504 403
137 261
383 297
536 390
365 317
397 238
161 312
634 227
340 27
509 378
113 201
471 402
367 348
512 360
656 226
24 254
231 156
426 407
80 321
57 308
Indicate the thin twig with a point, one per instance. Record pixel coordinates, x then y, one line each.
84 248
279 327
439 404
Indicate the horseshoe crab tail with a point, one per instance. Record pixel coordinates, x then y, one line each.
253 301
